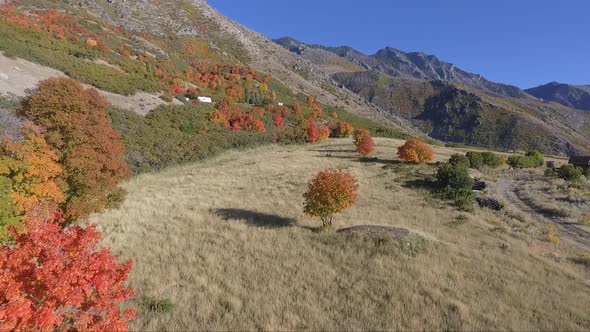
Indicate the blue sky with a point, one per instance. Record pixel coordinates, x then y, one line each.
520 42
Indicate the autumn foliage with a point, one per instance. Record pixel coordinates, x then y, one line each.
56 279
363 142
415 150
343 129
324 133
29 172
312 130
331 192
79 131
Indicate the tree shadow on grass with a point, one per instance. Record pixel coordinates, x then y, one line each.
334 151
425 183
367 160
254 218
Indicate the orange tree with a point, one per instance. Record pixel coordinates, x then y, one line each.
330 192
363 142
343 129
415 150
324 133
89 149
30 172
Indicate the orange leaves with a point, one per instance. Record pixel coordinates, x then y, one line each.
324 133
310 101
415 150
91 42
33 170
330 192
55 278
363 142
343 129
89 149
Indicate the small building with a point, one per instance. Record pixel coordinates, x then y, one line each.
580 161
205 99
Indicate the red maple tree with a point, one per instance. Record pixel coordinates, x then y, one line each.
312 130
55 278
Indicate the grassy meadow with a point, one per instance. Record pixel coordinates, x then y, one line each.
223 244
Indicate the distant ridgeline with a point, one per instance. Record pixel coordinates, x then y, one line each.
450 104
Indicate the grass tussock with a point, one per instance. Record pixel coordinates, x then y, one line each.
226 242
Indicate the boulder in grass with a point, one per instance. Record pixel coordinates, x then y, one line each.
489 203
479 185
375 230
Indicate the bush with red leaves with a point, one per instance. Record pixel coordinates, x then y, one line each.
55 278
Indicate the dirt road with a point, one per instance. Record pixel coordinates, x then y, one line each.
507 188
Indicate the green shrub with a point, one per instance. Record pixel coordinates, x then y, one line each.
478 160
536 158
550 172
8 209
587 173
172 135
460 160
532 159
475 159
453 182
126 76
569 172
492 160
156 306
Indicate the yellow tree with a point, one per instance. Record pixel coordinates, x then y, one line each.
30 171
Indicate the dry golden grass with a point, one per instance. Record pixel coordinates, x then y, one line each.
555 197
227 242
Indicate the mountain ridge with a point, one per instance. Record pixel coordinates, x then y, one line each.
418 65
453 105
570 95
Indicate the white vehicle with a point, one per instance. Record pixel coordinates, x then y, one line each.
205 99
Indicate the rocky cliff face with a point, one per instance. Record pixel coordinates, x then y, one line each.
574 96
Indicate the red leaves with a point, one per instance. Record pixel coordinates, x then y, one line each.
312 130
258 125
278 120
59 279
415 150
363 142
330 192
176 89
232 118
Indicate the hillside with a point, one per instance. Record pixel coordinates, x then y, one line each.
452 105
196 19
574 96
234 251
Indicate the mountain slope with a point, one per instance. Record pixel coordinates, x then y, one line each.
197 18
452 105
574 96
